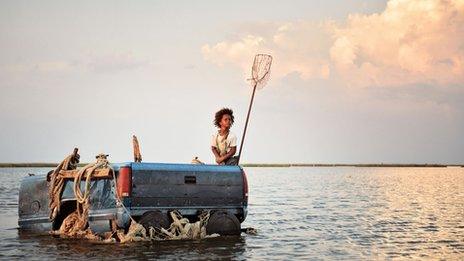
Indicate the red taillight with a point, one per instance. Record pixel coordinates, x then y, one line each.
245 186
124 182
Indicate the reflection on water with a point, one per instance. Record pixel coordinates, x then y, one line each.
226 247
335 213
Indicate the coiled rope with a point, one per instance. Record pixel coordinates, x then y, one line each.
76 224
57 182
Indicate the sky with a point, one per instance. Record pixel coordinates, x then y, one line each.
352 81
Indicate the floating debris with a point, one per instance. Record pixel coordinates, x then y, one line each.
250 231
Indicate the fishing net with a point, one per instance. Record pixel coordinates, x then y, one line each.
180 229
260 73
261 70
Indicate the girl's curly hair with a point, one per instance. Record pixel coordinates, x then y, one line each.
222 112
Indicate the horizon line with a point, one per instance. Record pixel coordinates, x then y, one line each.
437 165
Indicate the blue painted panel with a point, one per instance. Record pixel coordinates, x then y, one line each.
184 167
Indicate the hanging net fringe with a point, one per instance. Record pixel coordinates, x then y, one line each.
261 70
180 229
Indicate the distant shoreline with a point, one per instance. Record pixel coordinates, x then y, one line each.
364 165
275 165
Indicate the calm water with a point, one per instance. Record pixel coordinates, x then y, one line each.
317 213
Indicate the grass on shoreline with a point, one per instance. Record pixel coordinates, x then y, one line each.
52 165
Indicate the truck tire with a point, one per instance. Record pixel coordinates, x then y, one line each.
155 219
223 223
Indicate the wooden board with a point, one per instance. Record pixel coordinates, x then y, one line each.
98 174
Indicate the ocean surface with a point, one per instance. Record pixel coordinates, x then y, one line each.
300 213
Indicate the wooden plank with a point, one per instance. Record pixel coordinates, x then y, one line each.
98 174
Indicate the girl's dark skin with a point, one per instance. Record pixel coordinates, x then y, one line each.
224 124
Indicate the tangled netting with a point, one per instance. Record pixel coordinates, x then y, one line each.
75 225
180 229
261 70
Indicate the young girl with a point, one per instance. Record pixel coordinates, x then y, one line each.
224 142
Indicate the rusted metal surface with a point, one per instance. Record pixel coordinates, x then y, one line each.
137 154
98 173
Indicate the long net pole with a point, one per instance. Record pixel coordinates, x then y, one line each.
246 123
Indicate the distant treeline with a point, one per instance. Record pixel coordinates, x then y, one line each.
27 165
52 165
368 165
33 165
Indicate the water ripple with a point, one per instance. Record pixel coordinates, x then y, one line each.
300 213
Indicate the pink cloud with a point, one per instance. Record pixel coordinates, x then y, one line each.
290 46
418 41
411 41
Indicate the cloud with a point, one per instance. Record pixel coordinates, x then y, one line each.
289 45
420 41
101 63
42 67
410 42
113 63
